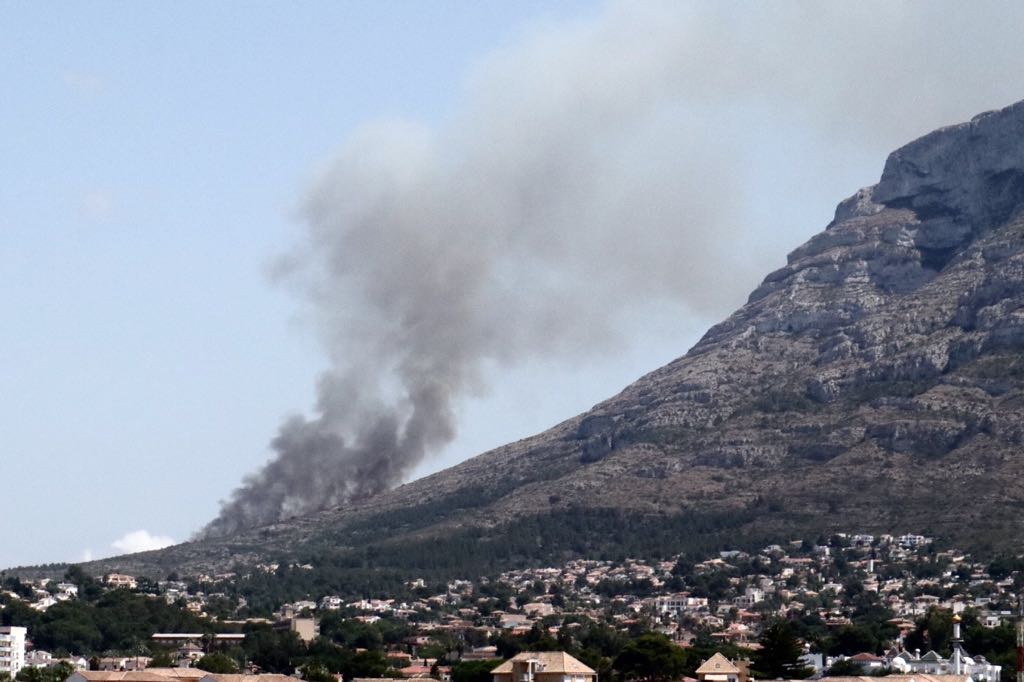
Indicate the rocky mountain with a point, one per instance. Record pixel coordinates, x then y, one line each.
874 383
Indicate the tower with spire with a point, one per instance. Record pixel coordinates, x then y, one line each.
958 652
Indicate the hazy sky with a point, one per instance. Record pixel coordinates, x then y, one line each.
160 162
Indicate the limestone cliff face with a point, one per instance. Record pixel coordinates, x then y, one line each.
878 375
875 383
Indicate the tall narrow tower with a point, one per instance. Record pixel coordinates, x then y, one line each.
1020 639
958 655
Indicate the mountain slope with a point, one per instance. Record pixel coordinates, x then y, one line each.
874 383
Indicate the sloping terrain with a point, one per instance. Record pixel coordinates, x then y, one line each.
874 383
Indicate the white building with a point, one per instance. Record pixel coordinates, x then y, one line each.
679 603
960 663
12 649
38 659
66 591
932 663
44 603
750 596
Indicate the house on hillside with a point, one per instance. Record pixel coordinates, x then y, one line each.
307 629
543 666
120 580
122 663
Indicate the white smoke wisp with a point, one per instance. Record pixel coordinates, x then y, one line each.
591 170
140 541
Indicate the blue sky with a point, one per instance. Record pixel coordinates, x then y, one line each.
157 155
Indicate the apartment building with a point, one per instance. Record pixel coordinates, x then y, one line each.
12 649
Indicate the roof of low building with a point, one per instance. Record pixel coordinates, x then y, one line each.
717 664
551 661
180 673
916 677
216 677
865 657
120 676
147 675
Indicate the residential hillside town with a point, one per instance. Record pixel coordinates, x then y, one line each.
853 605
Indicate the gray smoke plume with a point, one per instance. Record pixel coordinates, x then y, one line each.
592 170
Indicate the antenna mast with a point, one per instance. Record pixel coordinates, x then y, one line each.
958 656
1020 639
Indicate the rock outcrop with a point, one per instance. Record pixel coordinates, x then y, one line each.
873 383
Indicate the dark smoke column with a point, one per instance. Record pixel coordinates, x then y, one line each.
397 293
315 468
566 193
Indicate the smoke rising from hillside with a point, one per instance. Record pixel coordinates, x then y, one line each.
592 169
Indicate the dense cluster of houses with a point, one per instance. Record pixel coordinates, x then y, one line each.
728 596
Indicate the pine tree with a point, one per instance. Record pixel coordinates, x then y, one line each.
779 655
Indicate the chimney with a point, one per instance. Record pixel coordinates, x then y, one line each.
743 664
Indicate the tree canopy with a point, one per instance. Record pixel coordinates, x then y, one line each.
780 653
651 657
217 662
